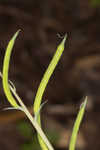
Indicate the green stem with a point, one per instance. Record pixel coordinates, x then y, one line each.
32 120
9 95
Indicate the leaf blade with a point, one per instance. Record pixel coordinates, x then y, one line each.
77 125
44 83
6 62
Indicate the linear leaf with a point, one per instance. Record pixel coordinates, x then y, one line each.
77 125
43 85
6 62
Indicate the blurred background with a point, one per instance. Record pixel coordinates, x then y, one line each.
76 75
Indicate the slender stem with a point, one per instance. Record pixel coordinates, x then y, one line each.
33 121
39 130
30 117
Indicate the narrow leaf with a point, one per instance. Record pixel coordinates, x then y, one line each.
43 85
77 125
6 69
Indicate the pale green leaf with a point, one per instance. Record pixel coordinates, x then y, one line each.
6 62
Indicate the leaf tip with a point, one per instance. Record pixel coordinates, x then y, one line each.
83 105
16 34
64 40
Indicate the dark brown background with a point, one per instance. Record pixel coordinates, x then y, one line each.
77 74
